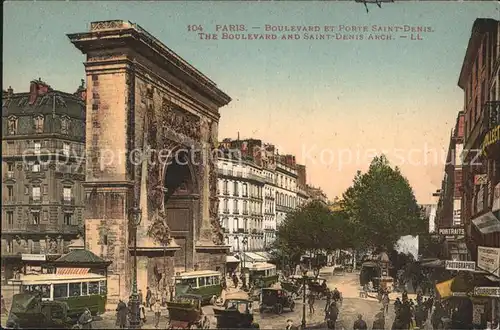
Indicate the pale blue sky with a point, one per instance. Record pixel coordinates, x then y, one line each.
333 94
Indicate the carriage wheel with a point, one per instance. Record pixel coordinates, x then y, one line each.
292 306
278 309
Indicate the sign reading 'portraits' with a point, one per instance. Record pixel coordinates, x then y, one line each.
453 231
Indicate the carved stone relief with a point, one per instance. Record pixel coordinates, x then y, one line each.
218 236
159 230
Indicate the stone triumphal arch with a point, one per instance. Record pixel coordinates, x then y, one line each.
143 99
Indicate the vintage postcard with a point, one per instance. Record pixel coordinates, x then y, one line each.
251 164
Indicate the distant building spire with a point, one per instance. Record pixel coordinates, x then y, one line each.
238 136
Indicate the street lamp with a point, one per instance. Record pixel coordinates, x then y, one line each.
304 281
134 303
244 242
244 270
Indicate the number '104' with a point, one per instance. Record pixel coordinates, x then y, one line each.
194 28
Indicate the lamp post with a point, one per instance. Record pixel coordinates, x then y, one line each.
244 270
244 242
304 280
134 303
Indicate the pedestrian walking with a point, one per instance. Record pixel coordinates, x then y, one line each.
141 297
360 324
235 280
331 315
385 302
121 314
149 295
310 301
157 311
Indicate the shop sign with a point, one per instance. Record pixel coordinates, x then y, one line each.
460 265
487 291
33 257
480 200
459 149
488 259
480 179
496 198
459 294
452 231
491 138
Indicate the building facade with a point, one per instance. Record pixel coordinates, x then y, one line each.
286 186
43 165
258 188
241 203
481 169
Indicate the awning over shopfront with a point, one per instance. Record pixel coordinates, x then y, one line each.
265 255
456 287
253 257
72 271
232 259
434 264
487 223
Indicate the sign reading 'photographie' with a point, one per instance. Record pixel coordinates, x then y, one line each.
453 231
486 291
488 259
460 265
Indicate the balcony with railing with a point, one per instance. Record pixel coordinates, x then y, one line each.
226 211
35 199
491 114
51 147
245 212
68 200
236 211
39 228
239 174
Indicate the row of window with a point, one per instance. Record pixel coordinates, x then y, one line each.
241 223
477 98
255 191
38 124
286 200
35 218
254 207
286 182
37 190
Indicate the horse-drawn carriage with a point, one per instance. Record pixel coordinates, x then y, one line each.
29 311
316 285
236 314
185 312
292 286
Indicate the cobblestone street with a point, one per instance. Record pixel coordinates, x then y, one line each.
351 307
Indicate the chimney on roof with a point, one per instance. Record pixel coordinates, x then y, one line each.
37 88
10 92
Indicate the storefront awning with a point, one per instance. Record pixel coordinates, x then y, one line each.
253 257
72 271
264 255
232 259
434 264
487 223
